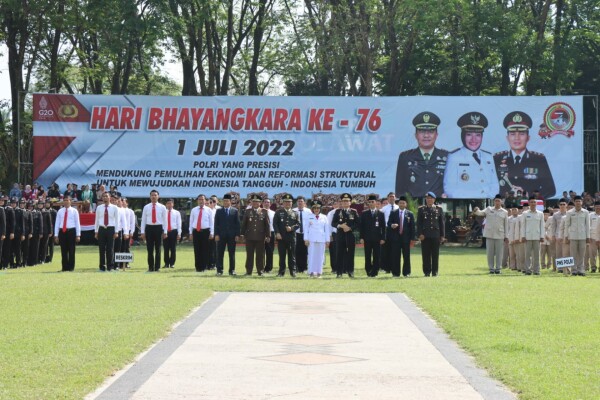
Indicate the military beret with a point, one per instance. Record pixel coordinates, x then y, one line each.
517 121
473 121
287 197
316 204
372 197
255 197
426 121
346 196
30 204
227 197
498 197
402 198
577 198
430 194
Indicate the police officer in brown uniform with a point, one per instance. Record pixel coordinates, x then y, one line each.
421 169
520 168
257 230
346 221
430 229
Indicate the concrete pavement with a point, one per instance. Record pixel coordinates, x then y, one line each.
304 346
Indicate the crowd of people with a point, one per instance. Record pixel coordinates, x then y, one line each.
525 239
516 237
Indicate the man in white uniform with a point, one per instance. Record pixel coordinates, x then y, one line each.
316 238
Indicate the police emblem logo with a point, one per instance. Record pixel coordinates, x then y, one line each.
464 177
426 118
68 111
559 119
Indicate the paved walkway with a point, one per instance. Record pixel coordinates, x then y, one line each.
304 346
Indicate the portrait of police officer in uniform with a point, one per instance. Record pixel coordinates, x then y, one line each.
519 168
421 170
470 171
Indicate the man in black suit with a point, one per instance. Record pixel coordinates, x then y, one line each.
346 221
401 235
9 215
227 232
19 230
372 235
2 227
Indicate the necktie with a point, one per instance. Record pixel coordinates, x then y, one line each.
426 156
153 213
517 160
64 227
476 157
300 212
227 211
373 214
199 225
401 221
169 222
105 215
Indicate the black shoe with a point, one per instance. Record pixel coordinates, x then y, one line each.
536 273
351 275
427 275
280 275
338 275
293 274
232 273
582 274
406 276
528 273
497 272
219 274
247 274
434 274
492 272
260 274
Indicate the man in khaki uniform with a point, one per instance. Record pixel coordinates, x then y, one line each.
495 232
556 233
520 245
594 236
577 234
546 248
513 236
532 234
257 231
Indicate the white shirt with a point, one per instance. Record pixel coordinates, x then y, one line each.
175 220
317 229
113 217
304 214
330 219
161 216
131 219
208 219
123 220
577 224
72 220
387 210
465 178
271 216
533 225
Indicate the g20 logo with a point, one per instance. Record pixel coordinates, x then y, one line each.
46 113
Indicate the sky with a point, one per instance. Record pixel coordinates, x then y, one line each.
173 70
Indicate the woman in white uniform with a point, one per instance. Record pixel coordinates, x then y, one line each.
316 238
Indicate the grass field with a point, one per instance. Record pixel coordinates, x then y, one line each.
62 334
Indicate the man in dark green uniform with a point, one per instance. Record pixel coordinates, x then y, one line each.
520 168
285 224
421 170
430 229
